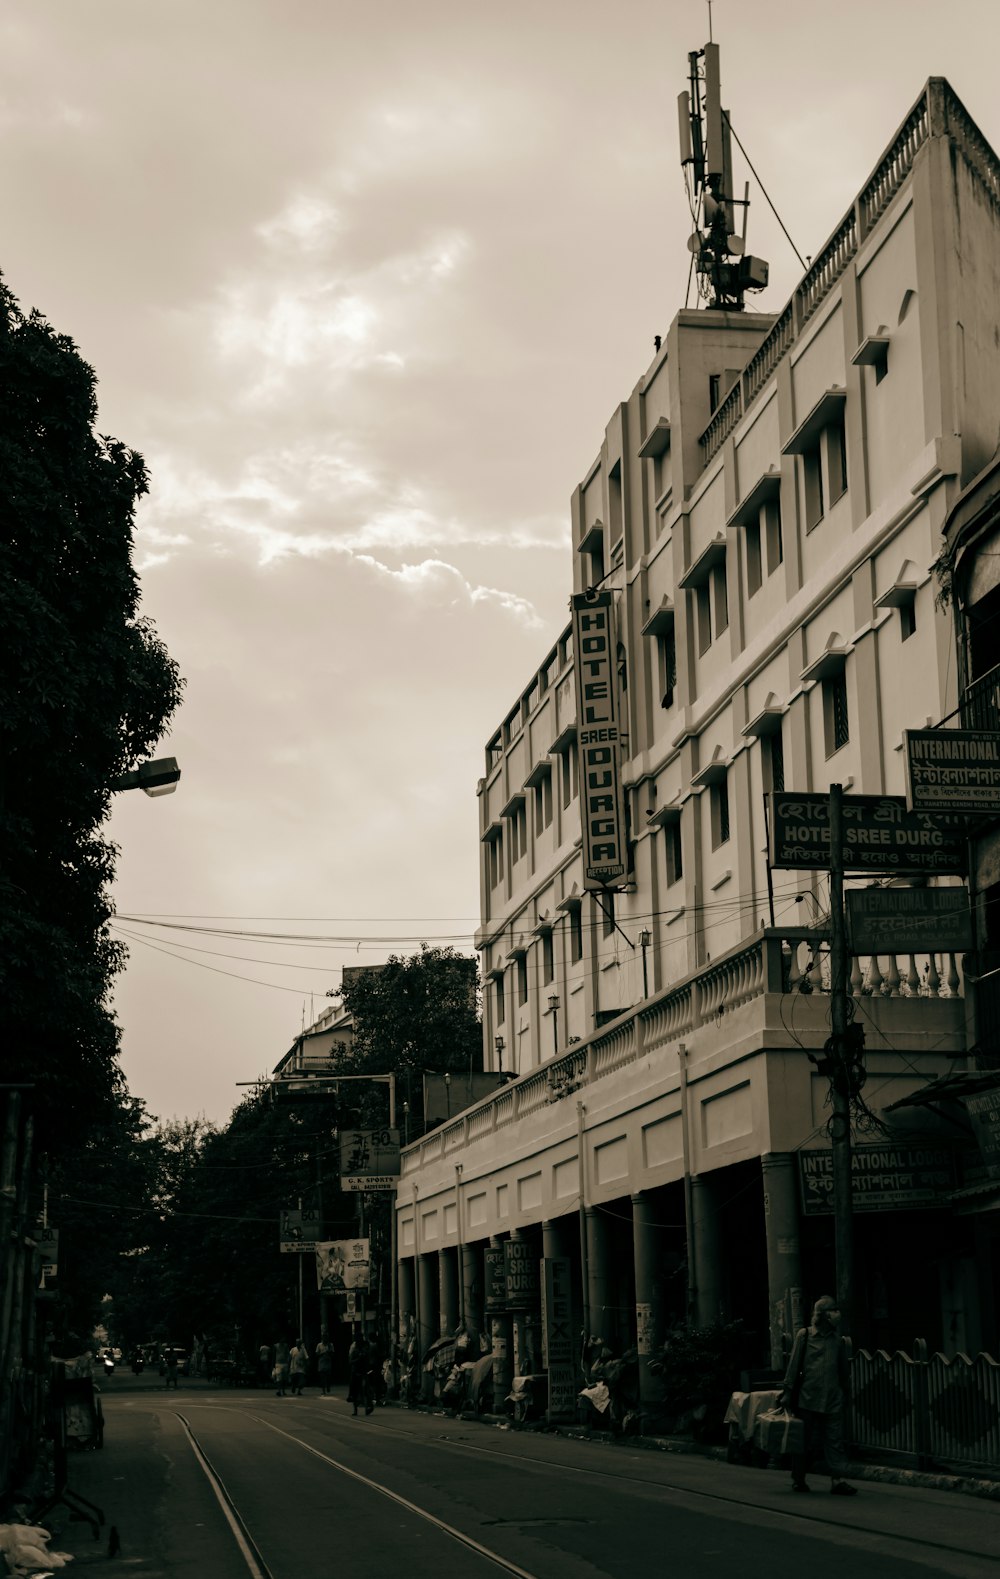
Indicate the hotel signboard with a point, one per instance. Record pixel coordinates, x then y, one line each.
909 920
956 770
604 845
880 835
890 1177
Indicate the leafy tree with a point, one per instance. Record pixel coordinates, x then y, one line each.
412 1016
86 690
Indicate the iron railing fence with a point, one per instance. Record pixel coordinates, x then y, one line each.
981 702
928 1409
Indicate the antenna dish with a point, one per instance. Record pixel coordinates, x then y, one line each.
694 243
735 245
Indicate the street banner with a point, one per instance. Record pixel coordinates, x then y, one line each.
880 835
883 1178
298 1231
369 1159
342 1264
558 1347
601 806
520 1265
909 920
956 770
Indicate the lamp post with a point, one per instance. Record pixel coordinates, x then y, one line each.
498 1044
645 939
154 778
447 1095
554 1009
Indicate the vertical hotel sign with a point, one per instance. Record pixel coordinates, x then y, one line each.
597 711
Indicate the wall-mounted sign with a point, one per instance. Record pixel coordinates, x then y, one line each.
342 1264
520 1264
955 770
369 1159
601 807
909 920
496 1281
983 1109
298 1231
880 835
558 1339
883 1178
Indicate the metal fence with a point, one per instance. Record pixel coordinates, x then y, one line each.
928 1409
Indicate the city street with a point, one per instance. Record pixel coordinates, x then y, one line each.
231 1483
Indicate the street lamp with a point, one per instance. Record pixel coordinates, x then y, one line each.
154 778
645 939
498 1044
554 1008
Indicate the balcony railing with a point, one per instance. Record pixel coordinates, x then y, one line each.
776 960
981 702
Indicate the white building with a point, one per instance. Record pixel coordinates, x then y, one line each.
766 508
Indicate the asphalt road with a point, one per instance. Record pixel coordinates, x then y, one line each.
244 1485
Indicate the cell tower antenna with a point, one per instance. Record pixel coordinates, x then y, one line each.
725 273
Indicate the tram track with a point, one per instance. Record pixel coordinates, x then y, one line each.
793 1518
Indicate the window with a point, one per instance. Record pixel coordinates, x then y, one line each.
714 390
836 458
705 580
755 575
575 913
820 440
518 819
543 799
672 845
548 959
666 656
836 726
606 904
719 808
494 858
703 604
813 479
907 619
774 761
498 986
522 978
771 517
720 598
568 771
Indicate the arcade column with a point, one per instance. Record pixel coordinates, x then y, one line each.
448 1291
784 1268
501 1325
471 1272
600 1295
406 1293
427 1303
707 1257
646 1252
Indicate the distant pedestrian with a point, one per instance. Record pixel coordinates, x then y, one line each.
324 1365
816 1387
281 1362
264 1364
359 1384
171 1369
298 1364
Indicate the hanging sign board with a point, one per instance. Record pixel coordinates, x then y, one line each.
496 1281
956 770
601 806
983 1109
889 1177
880 835
369 1159
298 1231
909 920
520 1260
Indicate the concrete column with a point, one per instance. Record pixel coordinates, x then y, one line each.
784 1268
603 1308
407 1295
646 1248
707 1253
528 1322
502 1344
471 1257
427 1303
448 1286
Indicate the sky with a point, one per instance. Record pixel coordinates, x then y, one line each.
364 283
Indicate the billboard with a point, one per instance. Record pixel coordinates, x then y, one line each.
888 1177
342 1264
298 1230
601 807
880 835
369 1159
956 770
909 920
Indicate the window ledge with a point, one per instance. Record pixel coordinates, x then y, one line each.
721 881
827 409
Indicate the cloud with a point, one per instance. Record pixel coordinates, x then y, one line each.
443 586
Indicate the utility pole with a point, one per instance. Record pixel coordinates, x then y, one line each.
839 1070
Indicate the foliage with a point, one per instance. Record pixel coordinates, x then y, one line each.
86 690
412 1016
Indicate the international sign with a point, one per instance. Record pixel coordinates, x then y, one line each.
909 920
955 770
983 1109
604 849
880 835
883 1178
369 1159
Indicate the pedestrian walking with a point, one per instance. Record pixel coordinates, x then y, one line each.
816 1387
265 1366
171 1369
298 1364
359 1386
281 1363
324 1366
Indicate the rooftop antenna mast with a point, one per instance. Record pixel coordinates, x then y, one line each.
725 273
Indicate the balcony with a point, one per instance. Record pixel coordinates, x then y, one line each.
774 987
981 702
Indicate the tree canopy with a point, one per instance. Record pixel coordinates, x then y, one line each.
86 690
